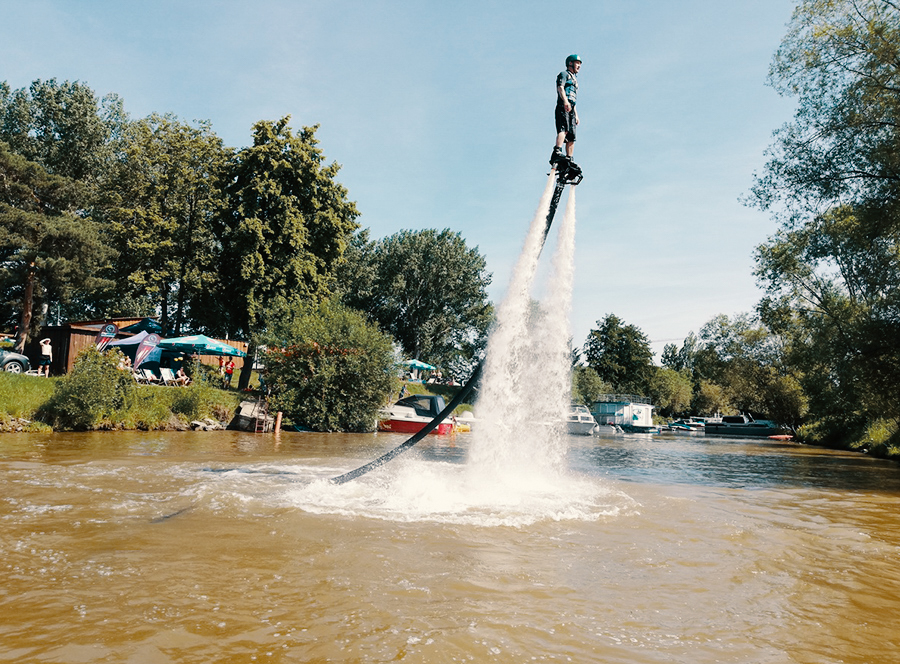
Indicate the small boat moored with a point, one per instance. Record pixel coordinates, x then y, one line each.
412 413
580 422
686 425
744 425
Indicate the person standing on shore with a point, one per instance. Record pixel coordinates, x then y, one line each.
46 357
229 370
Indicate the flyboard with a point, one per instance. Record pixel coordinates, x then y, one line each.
567 172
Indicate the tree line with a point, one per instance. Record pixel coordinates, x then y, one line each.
102 215
821 351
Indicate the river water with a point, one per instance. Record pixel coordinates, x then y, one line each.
230 547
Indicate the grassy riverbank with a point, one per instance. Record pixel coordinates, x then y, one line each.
25 405
148 407
879 439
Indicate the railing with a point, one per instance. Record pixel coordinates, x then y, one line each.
623 398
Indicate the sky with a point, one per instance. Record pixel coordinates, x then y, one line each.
441 116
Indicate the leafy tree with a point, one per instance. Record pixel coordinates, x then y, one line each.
671 391
284 228
711 399
750 363
159 201
587 386
833 180
620 354
785 401
329 368
47 249
62 126
682 358
428 289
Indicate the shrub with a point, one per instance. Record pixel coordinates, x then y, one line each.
92 394
330 369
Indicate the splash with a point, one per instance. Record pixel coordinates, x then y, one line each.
515 473
520 436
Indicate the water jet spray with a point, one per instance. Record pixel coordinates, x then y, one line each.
566 172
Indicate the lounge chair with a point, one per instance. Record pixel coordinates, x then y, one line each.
168 378
151 377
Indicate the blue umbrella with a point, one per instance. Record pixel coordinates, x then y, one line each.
200 344
418 364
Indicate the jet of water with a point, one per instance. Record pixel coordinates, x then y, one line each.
525 391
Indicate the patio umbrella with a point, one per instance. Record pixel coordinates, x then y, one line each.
200 344
145 325
418 364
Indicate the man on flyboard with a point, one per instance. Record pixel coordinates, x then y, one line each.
566 115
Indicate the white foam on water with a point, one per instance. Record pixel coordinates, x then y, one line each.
415 490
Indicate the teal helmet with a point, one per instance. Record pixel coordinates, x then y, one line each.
573 58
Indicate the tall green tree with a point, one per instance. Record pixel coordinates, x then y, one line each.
711 399
683 358
284 227
671 391
587 386
833 181
48 249
426 288
159 201
62 126
750 363
620 354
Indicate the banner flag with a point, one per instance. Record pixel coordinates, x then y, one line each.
106 334
150 342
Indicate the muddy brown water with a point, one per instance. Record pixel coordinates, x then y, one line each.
227 547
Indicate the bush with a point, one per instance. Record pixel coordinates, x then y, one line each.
97 395
92 394
150 409
330 369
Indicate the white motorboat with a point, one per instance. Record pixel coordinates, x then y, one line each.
580 422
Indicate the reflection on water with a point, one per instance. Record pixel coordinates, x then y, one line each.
733 462
228 547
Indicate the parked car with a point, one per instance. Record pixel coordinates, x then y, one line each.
13 362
